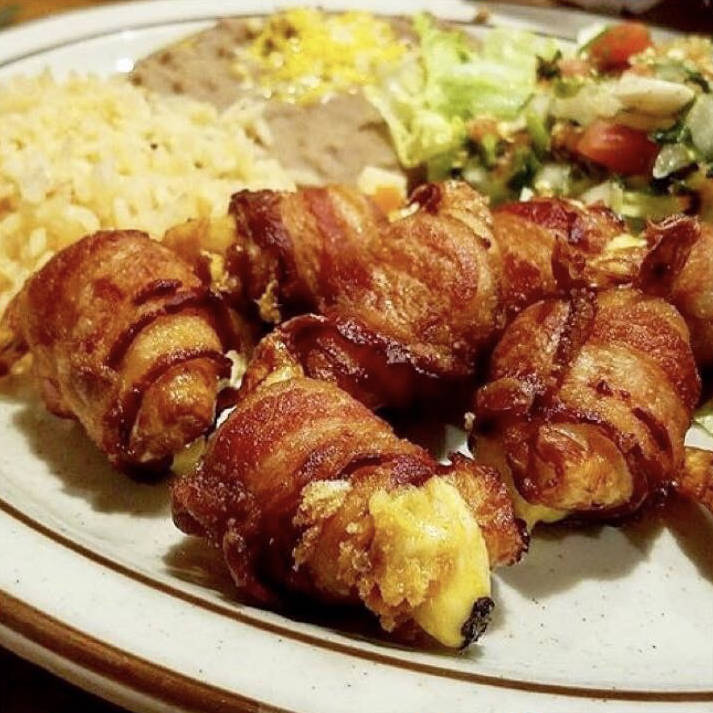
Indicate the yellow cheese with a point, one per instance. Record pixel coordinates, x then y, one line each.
187 460
624 241
431 553
532 513
489 452
304 53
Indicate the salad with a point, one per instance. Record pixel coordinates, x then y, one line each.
617 118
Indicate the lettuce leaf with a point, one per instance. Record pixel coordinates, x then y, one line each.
428 101
704 417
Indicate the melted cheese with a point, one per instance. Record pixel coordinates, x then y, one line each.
624 241
490 452
430 552
305 53
532 513
186 461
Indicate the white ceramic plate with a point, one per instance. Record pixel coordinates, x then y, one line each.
97 585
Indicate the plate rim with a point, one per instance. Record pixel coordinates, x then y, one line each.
36 33
126 670
580 692
33 624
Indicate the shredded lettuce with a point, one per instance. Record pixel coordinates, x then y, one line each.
419 132
635 205
700 123
704 417
672 158
428 101
487 113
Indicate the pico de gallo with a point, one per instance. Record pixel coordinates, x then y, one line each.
618 118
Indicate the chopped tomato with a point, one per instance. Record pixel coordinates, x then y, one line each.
618 148
613 48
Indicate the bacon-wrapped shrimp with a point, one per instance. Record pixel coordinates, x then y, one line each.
126 339
588 402
304 489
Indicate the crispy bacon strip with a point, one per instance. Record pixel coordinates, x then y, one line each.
549 246
305 489
287 252
679 268
589 400
530 238
282 354
695 479
423 284
425 294
127 340
676 263
367 366
419 294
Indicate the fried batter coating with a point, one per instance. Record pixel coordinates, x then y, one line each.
304 489
679 268
589 400
126 339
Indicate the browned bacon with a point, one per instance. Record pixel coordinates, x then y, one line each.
127 340
552 245
589 400
679 268
288 486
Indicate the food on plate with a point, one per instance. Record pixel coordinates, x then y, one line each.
620 118
695 479
612 49
125 339
588 402
549 246
545 232
679 267
416 294
309 68
410 301
334 350
85 154
305 490
305 54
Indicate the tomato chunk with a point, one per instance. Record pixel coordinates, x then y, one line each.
619 148
613 48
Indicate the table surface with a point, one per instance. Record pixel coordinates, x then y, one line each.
25 688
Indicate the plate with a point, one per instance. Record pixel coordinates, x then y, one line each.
99 587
